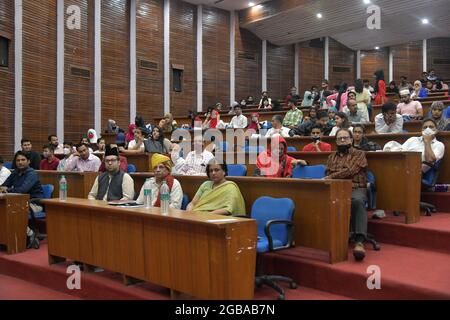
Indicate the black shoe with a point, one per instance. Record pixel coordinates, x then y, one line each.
33 241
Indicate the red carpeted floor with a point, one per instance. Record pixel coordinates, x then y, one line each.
414 262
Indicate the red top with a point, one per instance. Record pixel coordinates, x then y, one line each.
45 165
380 98
323 146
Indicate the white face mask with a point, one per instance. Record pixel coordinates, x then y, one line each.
428 132
66 151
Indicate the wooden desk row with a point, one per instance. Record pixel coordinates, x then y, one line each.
206 256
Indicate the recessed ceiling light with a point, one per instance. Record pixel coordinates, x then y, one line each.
377 48
425 21
251 4
366 1
319 15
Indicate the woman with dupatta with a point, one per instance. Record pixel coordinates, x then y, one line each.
218 195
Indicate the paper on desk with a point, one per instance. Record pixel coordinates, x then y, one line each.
222 220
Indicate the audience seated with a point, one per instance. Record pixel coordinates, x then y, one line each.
275 162
122 160
195 162
321 98
432 150
389 121
341 122
332 117
156 143
83 160
86 141
25 180
265 102
53 140
212 119
68 155
239 121
294 116
317 145
217 195
353 114
254 122
306 127
437 114
409 109
129 136
392 88
361 142
113 184
50 162
307 99
101 146
418 91
168 124
4 172
112 127
293 95
432 75
349 163
35 158
277 128
162 168
362 98
137 145
404 84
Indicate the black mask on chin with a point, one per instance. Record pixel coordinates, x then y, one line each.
344 148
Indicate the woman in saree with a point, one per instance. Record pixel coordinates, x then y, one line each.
218 195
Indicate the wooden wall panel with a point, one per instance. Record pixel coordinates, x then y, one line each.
311 65
341 57
115 62
150 46
373 60
439 48
280 70
7 83
248 64
216 56
407 61
183 51
79 91
39 71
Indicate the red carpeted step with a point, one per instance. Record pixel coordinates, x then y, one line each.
301 293
32 266
440 199
406 273
430 233
17 289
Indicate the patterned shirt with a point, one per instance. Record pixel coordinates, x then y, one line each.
293 117
194 164
352 165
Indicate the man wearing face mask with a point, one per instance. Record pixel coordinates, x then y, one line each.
350 163
431 149
68 155
50 162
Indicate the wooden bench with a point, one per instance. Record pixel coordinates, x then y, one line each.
13 222
203 255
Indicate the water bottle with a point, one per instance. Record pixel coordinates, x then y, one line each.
147 194
165 197
63 189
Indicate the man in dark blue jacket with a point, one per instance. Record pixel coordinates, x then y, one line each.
25 180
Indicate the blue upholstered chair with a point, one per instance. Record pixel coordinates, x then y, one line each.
309 172
131 168
292 149
184 202
236 170
8 165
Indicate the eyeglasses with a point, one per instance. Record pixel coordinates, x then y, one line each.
343 139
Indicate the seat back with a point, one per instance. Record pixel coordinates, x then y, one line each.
429 178
265 209
309 172
8 165
47 191
224 146
184 202
257 149
291 149
236 170
371 190
131 168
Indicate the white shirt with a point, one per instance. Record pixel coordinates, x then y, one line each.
4 174
284 132
194 164
176 194
416 144
127 189
132 145
335 129
382 127
239 122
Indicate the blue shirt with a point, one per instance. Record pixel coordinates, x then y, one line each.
24 182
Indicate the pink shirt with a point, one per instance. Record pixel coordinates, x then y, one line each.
410 109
